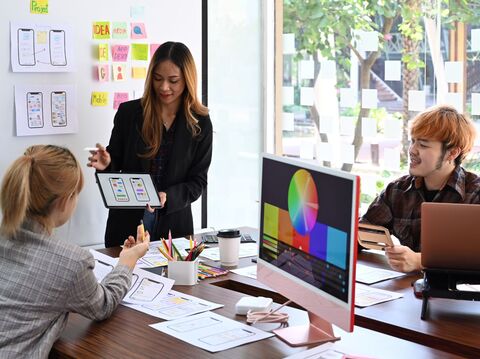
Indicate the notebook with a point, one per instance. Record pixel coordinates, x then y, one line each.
450 236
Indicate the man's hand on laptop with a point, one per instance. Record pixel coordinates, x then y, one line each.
403 259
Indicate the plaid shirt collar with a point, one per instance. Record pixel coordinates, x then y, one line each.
456 181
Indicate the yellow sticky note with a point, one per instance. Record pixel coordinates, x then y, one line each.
99 98
140 52
103 52
42 37
101 30
39 6
139 72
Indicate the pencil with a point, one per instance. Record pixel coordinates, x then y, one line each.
165 254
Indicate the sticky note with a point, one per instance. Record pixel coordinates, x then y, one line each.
454 99
391 159
120 53
288 122
366 40
101 30
453 71
153 48
328 69
306 96
326 124
348 97
99 98
119 30
416 100
103 73
306 150
393 70
39 6
138 30
324 151
288 41
137 11
140 52
392 128
307 69
103 52
369 127
42 37
369 98
475 39
347 125
347 153
119 72
139 72
118 98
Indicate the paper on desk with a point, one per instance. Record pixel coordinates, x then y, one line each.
366 296
250 271
153 257
324 351
211 331
246 250
176 305
147 288
369 275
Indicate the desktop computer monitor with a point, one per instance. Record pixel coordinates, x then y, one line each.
307 243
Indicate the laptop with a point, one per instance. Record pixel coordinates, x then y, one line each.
450 236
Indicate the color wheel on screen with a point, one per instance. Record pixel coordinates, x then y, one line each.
302 202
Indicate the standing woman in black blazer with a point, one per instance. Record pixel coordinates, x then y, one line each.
167 133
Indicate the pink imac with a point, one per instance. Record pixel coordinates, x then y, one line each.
308 243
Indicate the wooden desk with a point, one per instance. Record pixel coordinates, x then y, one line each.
126 334
451 325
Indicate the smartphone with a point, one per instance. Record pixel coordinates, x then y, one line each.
35 109
59 108
58 56
26 47
119 190
139 189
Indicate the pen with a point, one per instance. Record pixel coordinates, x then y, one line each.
142 230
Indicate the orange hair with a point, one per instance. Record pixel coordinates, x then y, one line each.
447 125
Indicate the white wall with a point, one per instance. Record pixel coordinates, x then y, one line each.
178 20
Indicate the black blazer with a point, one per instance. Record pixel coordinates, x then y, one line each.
185 179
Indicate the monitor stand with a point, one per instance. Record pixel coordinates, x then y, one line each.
318 331
442 283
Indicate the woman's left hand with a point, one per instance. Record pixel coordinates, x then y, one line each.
163 199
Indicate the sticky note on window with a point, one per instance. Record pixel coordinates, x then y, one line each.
103 52
369 98
324 151
139 72
99 98
369 127
391 159
138 30
101 30
347 125
475 39
328 69
348 97
287 95
103 73
288 43
392 128
454 99
120 53
347 153
288 121
326 124
137 11
119 30
140 52
453 71
119 72
366 40
393 70
306 96
307 69
118 98
476 104
416 100
38 6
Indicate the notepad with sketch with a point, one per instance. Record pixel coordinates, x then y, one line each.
127 190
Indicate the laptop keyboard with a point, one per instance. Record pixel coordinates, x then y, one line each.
212 238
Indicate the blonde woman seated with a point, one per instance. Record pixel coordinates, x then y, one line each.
43 278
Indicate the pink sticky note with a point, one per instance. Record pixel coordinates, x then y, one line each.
103 73
138 30
118 98
120 52
153 48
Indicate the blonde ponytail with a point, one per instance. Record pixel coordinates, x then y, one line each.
33 182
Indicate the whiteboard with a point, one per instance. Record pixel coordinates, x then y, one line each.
179 20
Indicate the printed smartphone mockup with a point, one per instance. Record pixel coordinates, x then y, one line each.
139 189
26 47
35 109
119 190
58 56
59 108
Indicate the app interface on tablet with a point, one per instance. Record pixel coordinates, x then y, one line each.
139 189
119 190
